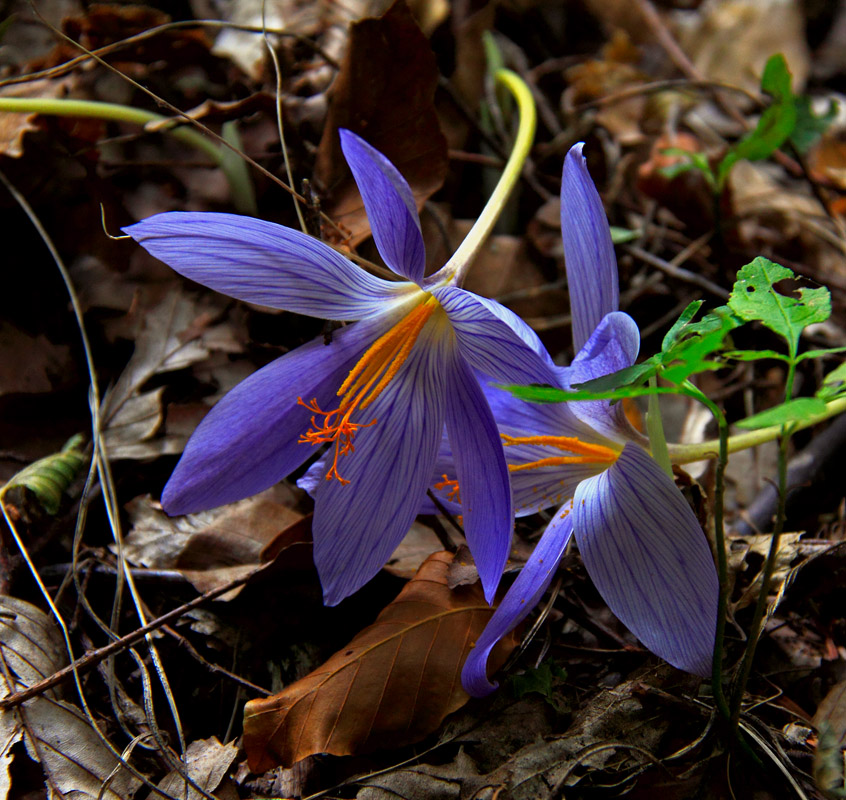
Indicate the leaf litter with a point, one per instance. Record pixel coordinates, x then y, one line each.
410 79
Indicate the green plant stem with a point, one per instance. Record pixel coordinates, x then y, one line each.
462 258
686 453
756 628
94 109
655 429
720 545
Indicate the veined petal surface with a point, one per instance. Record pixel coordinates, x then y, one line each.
519 600
261 262
390 207
588 251
481 471
649 559
612 346
542 487
249 440
357 526
494 340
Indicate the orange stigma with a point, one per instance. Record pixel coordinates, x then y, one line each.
365 382
585 453
453 495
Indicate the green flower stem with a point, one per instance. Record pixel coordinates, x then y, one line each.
94 109
463 256
685 453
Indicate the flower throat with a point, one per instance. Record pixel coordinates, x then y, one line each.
365 382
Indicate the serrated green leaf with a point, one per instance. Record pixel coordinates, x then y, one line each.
834 384
797 410
628 376
828 351
775 124
49 477
754 297
551 394
809 126
754 355
701 339
684 320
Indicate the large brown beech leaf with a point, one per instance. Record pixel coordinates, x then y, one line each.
390 686
385 93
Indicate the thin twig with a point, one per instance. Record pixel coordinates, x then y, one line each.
96 656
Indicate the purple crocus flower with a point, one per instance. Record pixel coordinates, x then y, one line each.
638 538
379 393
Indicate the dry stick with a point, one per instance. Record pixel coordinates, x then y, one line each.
96 656
678 272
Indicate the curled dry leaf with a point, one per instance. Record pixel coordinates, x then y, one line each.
390 686
384 92
212 548
75 760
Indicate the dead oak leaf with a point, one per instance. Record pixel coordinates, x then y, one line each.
390 686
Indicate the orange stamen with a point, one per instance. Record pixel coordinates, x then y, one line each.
586 453
453 495
364 383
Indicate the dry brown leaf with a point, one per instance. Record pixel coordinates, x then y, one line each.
212 548
13 127
741 549
177 333
384 92
731 40
830 722
32 364
207 762
75 761
391 685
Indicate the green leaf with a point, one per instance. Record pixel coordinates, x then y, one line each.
700 339
550 394
828 351
775 125
623 235
541 681
49 477
675 332
792 411
628 376
754 297
691 160
834 384
809 127
754 355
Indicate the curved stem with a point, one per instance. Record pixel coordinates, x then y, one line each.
685 453
95 109
457 266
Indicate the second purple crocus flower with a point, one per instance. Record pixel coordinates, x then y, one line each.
639 539
380 393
